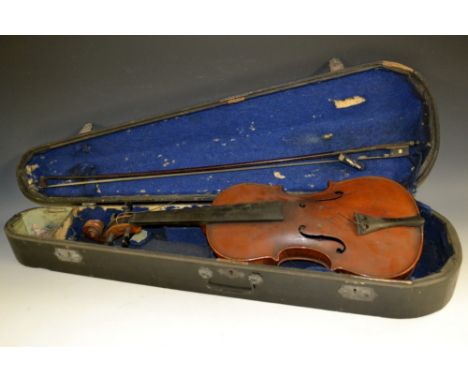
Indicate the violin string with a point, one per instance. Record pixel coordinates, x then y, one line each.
131 213
346 218
339 213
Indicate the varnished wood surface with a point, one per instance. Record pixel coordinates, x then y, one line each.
321 227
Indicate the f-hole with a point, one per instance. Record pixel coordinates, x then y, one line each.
340 249
336 195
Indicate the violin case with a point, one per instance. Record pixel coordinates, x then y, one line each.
372 104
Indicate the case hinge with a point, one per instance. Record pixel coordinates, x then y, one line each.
89 127
235 99
88 205
335 64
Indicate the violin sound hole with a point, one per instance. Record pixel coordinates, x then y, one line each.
340 249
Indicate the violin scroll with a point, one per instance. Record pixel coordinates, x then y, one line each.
94 230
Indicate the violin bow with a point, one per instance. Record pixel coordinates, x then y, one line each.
393 150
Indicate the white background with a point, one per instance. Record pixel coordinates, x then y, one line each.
172 335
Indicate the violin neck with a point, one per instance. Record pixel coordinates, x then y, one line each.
194 216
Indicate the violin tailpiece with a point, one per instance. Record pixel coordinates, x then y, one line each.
366 224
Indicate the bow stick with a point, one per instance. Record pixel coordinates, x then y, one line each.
394 150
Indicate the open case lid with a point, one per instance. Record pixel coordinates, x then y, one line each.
382 103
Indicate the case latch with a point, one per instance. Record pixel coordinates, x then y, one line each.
229 280
68 255
358 293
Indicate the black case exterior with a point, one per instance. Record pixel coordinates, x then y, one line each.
325 290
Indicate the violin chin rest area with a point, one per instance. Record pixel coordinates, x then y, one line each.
363 125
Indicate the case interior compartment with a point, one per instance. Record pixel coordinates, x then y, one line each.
374 106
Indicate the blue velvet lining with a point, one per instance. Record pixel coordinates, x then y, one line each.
190 241
285 123
437 249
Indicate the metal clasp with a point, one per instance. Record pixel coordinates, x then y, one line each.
230 281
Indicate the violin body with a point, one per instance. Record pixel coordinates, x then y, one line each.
367 226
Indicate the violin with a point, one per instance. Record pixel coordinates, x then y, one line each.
368 226
119 227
